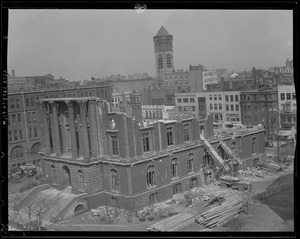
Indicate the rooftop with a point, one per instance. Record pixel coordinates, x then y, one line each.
162 32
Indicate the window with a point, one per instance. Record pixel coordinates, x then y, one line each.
249 107
215 97
174 168
179 108
193 108
236 98
186 132
289 119
20 134
255 118
288 96
114 144
27 102
9 136
220 97
35 149
146 142
226 98
294 96
253 145
160 62
33 116
32 101
210 97
248 98
193 183
35 132
190 163
170 135
12 103
177 188
169 61
19 118
255 107
211 106
232 107
249 119
150 176
30 133
231 98
179 100
237 108
185 100
192 100
14 121
282 96
29 117
80 181
114 180
17 103
220 106
153 198
17 152
15 135
227 107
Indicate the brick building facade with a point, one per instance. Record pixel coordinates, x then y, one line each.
109 159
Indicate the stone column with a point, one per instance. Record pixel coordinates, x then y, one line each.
57 143
46 135
93 129
63 130
72 128
83 109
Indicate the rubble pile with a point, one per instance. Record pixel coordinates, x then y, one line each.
108 211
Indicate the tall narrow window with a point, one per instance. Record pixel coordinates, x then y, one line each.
186 132
169 61
193 183
30 133
160 62
12 103
17 103
190 163
150 176
32 101
53 174
114 143
35 132
33 116
153 198
146 142
29 117
177 188
233 146
14 121
170 135
19 118
114 180
15 135
174 168
253 145
27 102
9 136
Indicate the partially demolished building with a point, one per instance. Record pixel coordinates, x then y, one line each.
105 158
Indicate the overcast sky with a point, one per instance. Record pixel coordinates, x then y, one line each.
79 44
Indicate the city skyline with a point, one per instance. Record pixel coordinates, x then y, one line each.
80 44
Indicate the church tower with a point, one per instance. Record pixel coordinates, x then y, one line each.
163 49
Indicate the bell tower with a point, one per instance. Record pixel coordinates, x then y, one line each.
163 50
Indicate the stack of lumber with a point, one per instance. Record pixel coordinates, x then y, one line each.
173 223
216 216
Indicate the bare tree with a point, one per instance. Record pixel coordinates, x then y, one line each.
29 214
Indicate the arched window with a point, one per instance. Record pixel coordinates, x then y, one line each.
53 174
12 103
32 101
174 168
169 61
190 163
150 176
160 62
114 180
253 145
80 181
17 152
35 149
153 198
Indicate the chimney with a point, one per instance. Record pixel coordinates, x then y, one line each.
13 73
